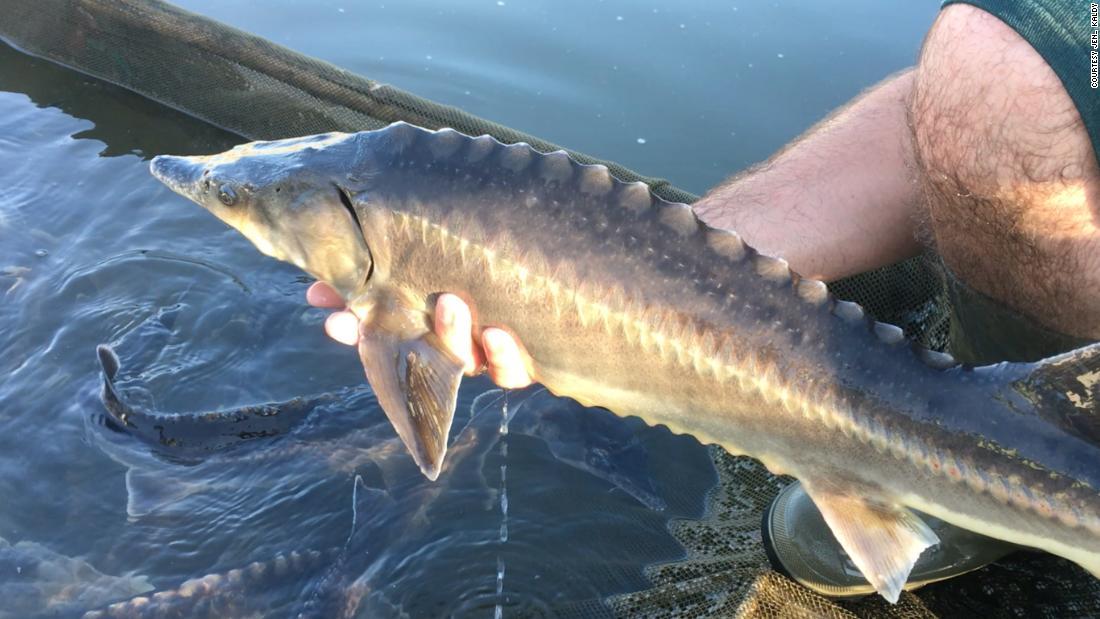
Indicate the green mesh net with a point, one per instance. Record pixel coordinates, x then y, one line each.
221 75
725 572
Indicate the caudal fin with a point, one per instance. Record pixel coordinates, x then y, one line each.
1045 414
1065 390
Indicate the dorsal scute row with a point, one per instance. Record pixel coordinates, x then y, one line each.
638 200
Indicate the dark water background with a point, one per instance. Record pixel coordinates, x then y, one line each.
93 250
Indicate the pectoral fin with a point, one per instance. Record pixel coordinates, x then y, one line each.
883 540
416 381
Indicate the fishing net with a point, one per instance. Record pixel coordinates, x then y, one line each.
222 75
725 572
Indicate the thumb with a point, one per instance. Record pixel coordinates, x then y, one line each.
343 327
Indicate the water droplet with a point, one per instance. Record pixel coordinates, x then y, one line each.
500 2
41 253
779 55
618 18
682 26
641 140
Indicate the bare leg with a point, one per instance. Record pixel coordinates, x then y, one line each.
1010 178
839 200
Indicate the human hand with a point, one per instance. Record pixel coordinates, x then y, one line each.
497 351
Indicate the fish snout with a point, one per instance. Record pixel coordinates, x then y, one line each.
181 174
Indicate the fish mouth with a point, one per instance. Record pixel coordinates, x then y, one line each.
180 174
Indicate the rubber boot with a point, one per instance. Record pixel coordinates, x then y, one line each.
802 547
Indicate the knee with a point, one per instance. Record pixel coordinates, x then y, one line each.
988 111
1006 165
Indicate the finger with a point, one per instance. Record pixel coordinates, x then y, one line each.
321 294
504 359
454 326
343 327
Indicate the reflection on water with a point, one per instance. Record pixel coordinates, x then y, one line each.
121 123
93 250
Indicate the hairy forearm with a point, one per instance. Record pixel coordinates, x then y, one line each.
840 199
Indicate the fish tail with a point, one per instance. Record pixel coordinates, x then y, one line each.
109 363
1065 390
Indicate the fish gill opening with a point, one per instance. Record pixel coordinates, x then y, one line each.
345 200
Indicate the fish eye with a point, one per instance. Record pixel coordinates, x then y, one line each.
227 195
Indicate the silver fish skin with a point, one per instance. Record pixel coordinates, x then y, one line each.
628 302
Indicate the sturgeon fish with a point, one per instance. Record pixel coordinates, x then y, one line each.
193 435
629 302
229 594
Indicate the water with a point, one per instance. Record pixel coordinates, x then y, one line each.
93 250
498 612
711 87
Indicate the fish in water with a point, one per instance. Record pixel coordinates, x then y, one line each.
230 594
38 582
628 302
188 435
212 443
